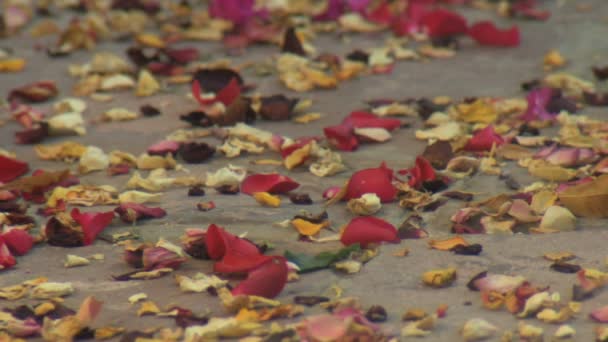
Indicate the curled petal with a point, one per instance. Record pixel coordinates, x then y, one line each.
486 33
219 243
500 283
273 183
421 172
368 229
267 280
374 180
538 100
92 223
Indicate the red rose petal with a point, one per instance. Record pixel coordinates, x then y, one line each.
11 168
273 183
342 137
375 180
368 229
268 280
7 260
486 33
381 14
600 315
164 147
443 23
484 139
226 96
18 241
34 92
92 223
358 119
236 261
218 242
421 172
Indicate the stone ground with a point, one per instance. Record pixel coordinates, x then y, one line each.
393 282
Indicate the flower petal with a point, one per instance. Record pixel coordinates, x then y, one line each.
268 280
600 315
443 23
342 137
368 229
163 147
18 241
11 168
484 139
131 212
273 183
92 223
218 242
486 33
374 180
359 119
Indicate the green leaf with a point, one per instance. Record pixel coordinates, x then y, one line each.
309 263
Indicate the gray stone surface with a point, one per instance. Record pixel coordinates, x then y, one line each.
393 282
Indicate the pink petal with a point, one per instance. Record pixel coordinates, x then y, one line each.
324 328
273 183
92 223
368 229
375 180
600 315
486 33
538 99
268 280
163 147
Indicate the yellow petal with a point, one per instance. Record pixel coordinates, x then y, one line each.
308 228
439 278
148 308
146 84
12 65
267 199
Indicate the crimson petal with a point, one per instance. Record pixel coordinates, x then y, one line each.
18 241
11 168
368 229
273 183
268 280
237 261
422 172
92 223
443 23
374 180
486 33
359 119
219 242
342 137
484 139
